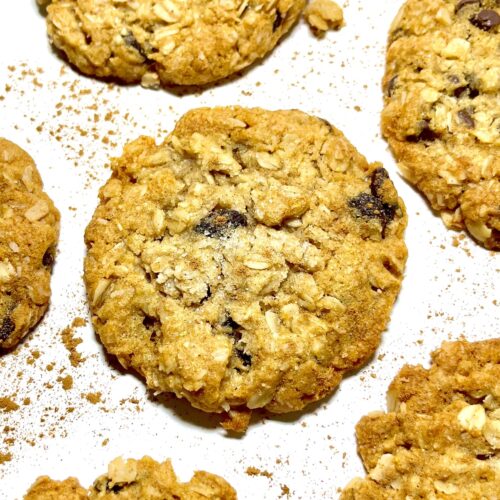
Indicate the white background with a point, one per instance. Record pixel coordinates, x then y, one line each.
449 291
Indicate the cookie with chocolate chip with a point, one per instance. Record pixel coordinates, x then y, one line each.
143 479
161 42
29 229
249 261
442 109
441 436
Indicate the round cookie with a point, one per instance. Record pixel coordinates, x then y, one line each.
247 262
29 230
442 109
143 479
168 41
442 434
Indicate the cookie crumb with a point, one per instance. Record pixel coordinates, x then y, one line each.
8 405
254 471
323 15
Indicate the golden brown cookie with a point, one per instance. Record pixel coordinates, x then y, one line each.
29 229
442 109
247 262
168 41
441 437
143 479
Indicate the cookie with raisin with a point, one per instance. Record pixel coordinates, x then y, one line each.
161 42
29 230
442 109
249 261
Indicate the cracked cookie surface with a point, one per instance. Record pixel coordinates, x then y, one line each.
131 479
29 229
168 41
441 438
442 109
247 262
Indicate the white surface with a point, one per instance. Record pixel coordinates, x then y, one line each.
448 291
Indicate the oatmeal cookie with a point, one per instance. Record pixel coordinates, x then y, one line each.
442 109
168 41
131 479
441 437
29 229
247 262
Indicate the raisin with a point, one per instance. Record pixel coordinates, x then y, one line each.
48 257
131 41
485 20
466 118
245 358
230 323
379 176
149 322
278 20
426 134
372 207
220 223
7 328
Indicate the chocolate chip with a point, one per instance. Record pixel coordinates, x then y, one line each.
379 176
278 20
48 257
220 223
389 91
466 118
463 3
485 20
372 207
426 134
7 328
131 41
233 329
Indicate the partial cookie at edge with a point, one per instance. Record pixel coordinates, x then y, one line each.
29 230
442 109
131 479
441 437
168 41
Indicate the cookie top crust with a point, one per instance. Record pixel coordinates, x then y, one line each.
249 261
131 479
157 42
29 230
442 109
441 438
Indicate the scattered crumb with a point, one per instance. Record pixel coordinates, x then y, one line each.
7 404
285 491
93 397
67 382
254 471
323 15
71 342
5 457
